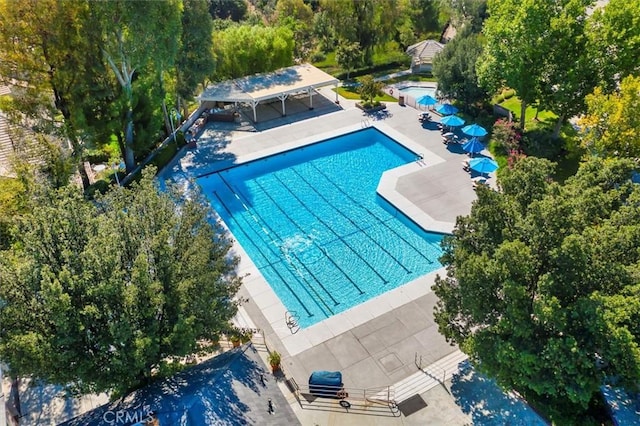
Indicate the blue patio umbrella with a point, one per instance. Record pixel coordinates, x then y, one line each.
426 100
452 121
446 109
473 145
483 165
474 130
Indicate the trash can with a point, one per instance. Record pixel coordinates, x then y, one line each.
401 100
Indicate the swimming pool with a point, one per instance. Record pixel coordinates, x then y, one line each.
418 91
311 221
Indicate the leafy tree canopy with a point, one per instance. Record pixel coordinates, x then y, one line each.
244 49
455 69
537 278
104 295
614 41
612 123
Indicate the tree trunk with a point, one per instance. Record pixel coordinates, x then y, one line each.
523 113
168 124
83 174
558 127
129 159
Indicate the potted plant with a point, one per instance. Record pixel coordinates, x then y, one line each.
274 361
235 340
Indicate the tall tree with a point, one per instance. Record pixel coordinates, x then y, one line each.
455 69
614 41
513 51
298 17
139 41
43 46
536 276
569 73
195 61
113 290
611 126
348 56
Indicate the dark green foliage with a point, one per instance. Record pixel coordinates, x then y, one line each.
542 282
455 69
195 60
114 289
228 9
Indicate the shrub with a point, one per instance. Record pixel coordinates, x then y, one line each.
318 56
499 99
506 135
97 156
164 155
540 143
508 94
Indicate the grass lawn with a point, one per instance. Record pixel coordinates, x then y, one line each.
352 93
567 164
513 104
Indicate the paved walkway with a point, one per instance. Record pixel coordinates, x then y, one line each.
376 343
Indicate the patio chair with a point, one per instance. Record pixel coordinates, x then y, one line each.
479 181
465 166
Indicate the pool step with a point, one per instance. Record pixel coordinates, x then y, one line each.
429 376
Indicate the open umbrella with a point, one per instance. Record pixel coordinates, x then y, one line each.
426 100
473 145
474 130
446 109
452 121
483 165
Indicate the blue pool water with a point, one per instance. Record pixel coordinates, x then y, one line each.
311 221
418 91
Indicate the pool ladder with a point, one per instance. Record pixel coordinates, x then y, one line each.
291 319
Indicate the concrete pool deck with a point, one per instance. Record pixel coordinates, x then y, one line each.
376 343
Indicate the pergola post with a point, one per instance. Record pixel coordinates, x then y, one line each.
311 90
283 97
254 104
336 90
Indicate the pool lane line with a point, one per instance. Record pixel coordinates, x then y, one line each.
335 233
262 253
317 245
379 219
237 195
355 225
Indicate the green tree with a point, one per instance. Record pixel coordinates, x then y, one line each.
114 290
614 41
514 53
139 43
236 10
455 69
469 14
569 73
369 89
536 278
243 50
43 46
195 61
298 17
611 126
425 16
348 56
